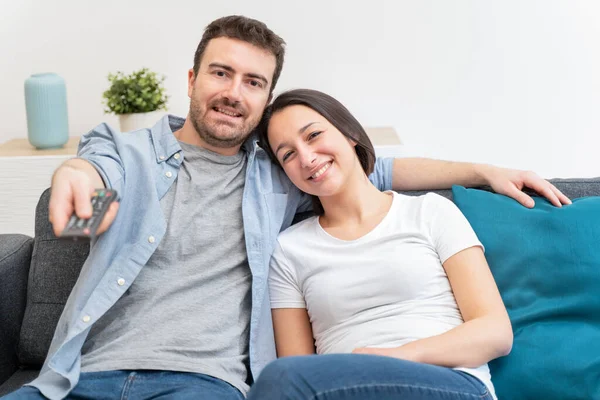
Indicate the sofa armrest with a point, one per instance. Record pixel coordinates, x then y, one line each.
15 259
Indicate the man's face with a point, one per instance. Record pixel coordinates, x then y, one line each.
230 91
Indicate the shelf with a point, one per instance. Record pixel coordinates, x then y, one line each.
22 148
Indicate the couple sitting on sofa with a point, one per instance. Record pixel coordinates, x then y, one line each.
175 298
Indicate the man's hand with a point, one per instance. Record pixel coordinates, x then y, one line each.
428 174
72 186
510 182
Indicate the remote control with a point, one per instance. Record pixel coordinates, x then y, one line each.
79 228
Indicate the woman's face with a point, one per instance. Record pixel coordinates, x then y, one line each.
316 157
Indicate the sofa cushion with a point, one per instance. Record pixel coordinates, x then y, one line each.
15 259
55 266
546 262
18 379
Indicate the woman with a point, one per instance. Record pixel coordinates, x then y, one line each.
401 282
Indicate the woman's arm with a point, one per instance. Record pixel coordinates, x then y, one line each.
486 333
293 332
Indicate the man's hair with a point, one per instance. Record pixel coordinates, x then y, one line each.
334 112
248 30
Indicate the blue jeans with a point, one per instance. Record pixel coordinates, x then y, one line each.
133 385
364 377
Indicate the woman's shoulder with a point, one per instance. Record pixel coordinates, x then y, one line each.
426 200
299 230
422 208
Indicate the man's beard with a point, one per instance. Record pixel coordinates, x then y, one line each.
210 133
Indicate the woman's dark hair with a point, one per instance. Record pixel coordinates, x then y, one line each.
334 112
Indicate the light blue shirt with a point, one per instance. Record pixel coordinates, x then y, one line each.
141 166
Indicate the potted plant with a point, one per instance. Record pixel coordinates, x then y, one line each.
136 98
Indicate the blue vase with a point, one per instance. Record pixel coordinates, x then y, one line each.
46 105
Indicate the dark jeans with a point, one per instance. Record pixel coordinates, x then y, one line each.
364 377
134 385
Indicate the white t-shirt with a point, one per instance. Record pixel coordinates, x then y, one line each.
384 289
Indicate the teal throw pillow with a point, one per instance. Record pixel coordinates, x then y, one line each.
546 263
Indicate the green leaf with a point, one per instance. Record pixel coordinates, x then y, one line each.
139 92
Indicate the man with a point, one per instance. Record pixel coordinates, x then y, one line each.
172 300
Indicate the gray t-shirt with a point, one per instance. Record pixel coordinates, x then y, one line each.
189 308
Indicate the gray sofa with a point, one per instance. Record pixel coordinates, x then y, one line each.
36 277
37 274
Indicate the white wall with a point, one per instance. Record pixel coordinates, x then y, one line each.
514 83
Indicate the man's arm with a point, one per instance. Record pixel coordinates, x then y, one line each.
98 165
428 174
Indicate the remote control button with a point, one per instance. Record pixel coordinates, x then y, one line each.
86 227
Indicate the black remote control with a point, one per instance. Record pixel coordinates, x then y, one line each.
85 229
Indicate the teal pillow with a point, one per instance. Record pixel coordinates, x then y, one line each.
546 262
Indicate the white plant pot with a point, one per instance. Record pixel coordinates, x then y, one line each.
133 122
